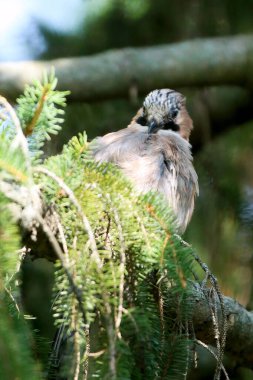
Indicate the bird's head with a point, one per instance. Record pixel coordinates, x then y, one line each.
165 109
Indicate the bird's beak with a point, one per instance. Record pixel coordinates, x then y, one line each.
152 127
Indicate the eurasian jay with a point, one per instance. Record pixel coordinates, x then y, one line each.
154 152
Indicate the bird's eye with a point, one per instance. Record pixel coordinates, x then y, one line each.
174 113
141 120
171 125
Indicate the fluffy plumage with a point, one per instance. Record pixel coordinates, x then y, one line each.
154 152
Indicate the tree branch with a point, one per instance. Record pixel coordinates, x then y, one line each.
239 343
200 62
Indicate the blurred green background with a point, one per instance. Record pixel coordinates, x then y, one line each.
221 229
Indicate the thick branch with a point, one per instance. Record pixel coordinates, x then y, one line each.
239 342
112 74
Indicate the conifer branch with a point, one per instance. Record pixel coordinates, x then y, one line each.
220 327
60 255
70 194
28 130
239 343
238 318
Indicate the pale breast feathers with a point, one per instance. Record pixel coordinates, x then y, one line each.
161 162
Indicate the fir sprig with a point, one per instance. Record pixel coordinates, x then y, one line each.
40 112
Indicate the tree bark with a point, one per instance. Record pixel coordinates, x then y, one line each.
239 343
200 62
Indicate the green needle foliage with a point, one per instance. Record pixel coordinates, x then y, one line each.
122 296
39 113
124 279
15 352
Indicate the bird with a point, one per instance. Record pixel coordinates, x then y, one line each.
155 154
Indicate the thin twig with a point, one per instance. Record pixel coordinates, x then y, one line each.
62 236
121 268
143 229
77 355
73 199
213 310
62 259
74 318
20 138
214 355
221 337
87 352
12 298
188 350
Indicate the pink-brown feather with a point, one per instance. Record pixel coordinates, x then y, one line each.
156 162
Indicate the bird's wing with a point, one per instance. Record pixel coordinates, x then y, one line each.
118 146
178 179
